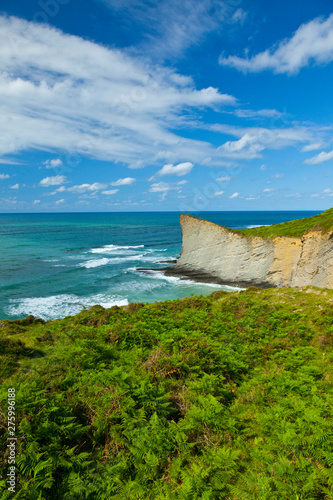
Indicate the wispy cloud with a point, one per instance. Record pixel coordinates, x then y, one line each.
62 93
165 187
169 27
311 43
110 192
127 181
15 186
253 140
311 147
235 195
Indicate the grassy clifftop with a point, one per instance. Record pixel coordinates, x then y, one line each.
220 397
295 228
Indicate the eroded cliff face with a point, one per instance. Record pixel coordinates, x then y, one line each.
239 260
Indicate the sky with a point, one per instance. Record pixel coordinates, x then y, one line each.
143 105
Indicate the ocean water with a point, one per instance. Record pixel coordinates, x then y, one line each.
55 265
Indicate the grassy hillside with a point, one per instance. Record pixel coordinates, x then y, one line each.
220 397
295 228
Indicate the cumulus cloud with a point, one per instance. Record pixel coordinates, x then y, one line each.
4 176
123 182
170 169
60 201
311 43
53 181
15 186
235 195
35 202
219 193
320 158
53 163
83 99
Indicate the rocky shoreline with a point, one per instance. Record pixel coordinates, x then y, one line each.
201 276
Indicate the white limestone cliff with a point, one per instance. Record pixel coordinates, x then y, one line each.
231 258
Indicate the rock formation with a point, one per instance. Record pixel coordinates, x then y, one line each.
214 253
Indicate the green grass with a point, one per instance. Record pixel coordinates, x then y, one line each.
221 397
295 228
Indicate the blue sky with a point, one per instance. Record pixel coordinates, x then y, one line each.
136 105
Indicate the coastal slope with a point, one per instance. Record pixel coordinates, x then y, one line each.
214 252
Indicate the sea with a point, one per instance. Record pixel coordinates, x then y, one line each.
54 265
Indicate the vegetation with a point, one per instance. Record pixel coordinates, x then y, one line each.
295 228
220 397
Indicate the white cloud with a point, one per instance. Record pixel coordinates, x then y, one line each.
3 161
235 195
223 179
267 190
253 140
82 188
320 158
311 147
311 43
15 186
165 187
219 193
277 176
239 16
247 146
251 198
263 167
169 27
53 181
52 163
36 202
4 176
61 92
123 182
170 169
260 113
112 191
60 201
61 189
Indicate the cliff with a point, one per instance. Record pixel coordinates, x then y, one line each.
216 253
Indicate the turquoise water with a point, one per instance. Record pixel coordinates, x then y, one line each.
54 265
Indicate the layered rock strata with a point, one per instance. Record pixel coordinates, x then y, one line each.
214 253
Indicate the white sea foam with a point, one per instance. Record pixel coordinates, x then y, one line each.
114 248
177 280
59 306
95 263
